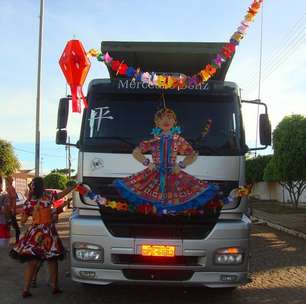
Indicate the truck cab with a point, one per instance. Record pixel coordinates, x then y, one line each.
106 247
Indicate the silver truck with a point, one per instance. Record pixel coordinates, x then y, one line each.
107 247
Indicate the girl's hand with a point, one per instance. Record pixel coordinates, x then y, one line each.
176 169
151 167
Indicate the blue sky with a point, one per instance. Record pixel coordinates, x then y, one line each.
93 21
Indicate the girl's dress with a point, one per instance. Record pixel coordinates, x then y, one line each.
41 241
163 188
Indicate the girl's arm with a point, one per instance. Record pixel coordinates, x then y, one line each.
64 192
184 148
138 155
189 159
24 217
61 208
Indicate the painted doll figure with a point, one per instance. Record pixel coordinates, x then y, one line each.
164 184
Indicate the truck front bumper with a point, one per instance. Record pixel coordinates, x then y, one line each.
199 278
204 273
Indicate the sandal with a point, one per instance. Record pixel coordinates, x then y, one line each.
26 294
56 290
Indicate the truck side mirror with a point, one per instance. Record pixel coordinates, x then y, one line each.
62 114
61 137
264 130
264 126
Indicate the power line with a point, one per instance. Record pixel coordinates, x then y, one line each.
278 55
286 56
295 34
292 33
259 72
267 73
44 154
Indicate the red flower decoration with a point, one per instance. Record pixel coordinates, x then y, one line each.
122 69
228 50
115 65
211 70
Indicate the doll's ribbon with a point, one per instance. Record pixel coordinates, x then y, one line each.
165 160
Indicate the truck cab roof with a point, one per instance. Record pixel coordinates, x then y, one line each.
167 57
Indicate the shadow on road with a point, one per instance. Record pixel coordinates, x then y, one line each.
272 249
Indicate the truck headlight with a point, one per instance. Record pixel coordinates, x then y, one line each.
228 256
88 252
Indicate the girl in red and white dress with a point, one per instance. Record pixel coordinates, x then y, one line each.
41 242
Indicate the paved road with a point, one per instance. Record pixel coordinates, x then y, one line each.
278 272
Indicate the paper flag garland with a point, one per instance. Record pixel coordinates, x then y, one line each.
75 64
182 81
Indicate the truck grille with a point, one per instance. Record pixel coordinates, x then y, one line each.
158 275
131 259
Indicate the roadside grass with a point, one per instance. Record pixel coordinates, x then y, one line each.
277 207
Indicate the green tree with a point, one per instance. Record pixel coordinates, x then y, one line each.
9 163
255 168
71 182
55 181
62 171
289 160
270 172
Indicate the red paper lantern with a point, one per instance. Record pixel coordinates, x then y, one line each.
75 66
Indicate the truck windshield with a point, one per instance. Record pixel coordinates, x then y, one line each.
117 123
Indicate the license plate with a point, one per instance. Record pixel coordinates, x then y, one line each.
158 250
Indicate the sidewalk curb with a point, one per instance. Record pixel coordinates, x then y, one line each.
279 227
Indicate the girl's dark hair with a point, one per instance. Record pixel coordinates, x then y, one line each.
38 190
165 111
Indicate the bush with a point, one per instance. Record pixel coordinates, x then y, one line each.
71 182
55 181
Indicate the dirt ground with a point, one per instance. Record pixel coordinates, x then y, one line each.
278 268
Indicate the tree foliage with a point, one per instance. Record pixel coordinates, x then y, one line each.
289 160
9 163
71 182
270 172
55 181
62 171
255 168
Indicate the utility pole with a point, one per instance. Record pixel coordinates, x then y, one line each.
41 166
66 150
69 159
37 132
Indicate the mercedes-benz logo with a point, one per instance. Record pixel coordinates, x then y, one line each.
97 163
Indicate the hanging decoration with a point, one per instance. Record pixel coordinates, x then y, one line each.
180 82
75 66
90 197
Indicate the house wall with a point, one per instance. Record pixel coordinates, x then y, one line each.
21 185
273 191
